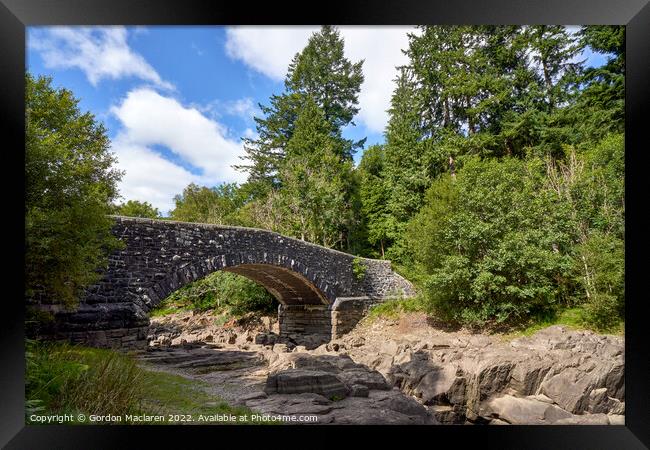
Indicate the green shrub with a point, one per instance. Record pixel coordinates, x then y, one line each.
495 243
602 311
393 308
70 182
600 269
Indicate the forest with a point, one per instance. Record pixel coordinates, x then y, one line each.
498 190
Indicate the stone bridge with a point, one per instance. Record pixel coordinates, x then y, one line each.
319 293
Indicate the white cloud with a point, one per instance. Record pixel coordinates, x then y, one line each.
100 52
244 108
269 50
149 119
148 176
381 47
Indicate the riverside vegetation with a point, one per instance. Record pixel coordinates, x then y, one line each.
499 190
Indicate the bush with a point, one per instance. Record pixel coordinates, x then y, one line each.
600 270
495 244
359 269
602 311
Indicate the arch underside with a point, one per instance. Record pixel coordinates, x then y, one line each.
287 286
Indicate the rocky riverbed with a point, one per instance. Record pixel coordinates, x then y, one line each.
399 371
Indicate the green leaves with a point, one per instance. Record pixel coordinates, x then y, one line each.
315 193
70 187
135 208
359 269
219 205
223 291
488 243
300 166
321 74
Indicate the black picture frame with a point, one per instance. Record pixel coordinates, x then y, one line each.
15 15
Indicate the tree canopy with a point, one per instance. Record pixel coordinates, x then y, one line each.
70 186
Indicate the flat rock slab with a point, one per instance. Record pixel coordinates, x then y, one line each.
297 381
379 408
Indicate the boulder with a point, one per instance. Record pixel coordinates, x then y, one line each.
359 390
584 419
515 411
296 381
435 386
570 389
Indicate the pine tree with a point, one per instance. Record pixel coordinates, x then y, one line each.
319 72
604 91
553 50
407 165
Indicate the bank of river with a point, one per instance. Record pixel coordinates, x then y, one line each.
398 371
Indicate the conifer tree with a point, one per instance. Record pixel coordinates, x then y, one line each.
319 72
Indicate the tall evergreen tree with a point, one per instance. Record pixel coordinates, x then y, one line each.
408 163
553 50
604 90
319 72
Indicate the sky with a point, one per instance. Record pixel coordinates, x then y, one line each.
176 101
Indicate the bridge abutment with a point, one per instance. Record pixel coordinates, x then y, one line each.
308 325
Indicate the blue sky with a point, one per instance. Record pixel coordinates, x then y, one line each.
177 100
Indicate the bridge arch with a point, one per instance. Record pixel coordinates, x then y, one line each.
319 292
292 285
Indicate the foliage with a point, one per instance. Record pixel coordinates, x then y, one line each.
67 379
300 167
536 141
319 72
373 197
70 186
512 238
496 248
314 195
359 268
218 205
61 378
394 308
222 291
601 273
135 208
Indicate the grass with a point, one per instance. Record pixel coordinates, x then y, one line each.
167 310
572 318
392 309
62 378
68 379
172 394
